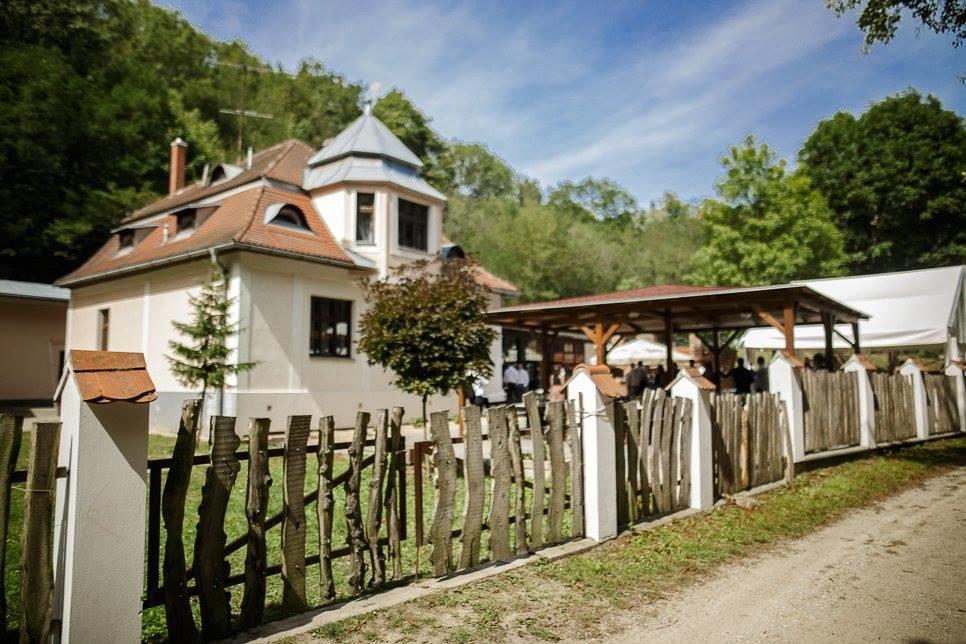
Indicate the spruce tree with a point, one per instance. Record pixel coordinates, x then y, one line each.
203 360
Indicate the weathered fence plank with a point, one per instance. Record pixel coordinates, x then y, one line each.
377 557
397 467
519 487
574 416
37 539
11 433
942 406
177 607
617 419
444 465
633 416
473 480
830 410
211 568
499 519
539 468
355 530
293 507
325 506
684 456
256 507
558 471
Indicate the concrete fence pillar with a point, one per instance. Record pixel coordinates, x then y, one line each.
690 385
954 370
785 379
920 402
99 542
591 386
862 368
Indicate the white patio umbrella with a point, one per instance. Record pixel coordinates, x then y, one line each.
642 351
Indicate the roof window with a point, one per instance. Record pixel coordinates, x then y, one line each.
187 222
287 216
125 239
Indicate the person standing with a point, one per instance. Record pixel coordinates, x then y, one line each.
742 377
761 376
635 380
510 383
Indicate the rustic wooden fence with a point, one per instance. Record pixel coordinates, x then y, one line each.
750 441
831 410
37 485
373 543
894 407
537 512
653 438
941 399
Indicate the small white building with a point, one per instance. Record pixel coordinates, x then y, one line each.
31 340
294 229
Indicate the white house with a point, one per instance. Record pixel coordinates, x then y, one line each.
294 229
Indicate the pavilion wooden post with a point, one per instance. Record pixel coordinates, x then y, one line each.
856 345
669 341
599 336
828 325
716 351
788 327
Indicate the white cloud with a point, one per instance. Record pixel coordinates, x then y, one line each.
648 94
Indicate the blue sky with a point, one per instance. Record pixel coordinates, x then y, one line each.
649 94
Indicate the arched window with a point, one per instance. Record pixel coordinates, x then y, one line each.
286 215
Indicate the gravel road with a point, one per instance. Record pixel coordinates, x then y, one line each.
893 572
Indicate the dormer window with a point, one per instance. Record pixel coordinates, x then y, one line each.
125 239
286 216
186 222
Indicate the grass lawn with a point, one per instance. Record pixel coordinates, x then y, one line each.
570 598
236 525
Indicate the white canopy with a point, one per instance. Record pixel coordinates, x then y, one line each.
924 308
642 351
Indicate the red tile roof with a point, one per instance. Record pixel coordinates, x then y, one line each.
281 162
494 283
110 376
237 220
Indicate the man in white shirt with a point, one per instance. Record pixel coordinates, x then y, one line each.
510 382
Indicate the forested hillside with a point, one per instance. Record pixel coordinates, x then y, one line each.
92 92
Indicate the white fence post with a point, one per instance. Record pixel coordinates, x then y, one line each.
861 367
954 370
919 402
689 384
99 542
784 379
599 449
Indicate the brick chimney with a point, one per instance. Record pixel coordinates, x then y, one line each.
179 157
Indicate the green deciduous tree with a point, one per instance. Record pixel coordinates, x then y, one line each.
602 198
894 178
767 227
204 358
426 323
471 169
879 19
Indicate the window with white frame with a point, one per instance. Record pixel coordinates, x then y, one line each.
365 215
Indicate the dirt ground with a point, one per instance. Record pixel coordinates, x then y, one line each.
894 572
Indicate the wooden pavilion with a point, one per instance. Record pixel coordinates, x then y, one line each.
708 312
